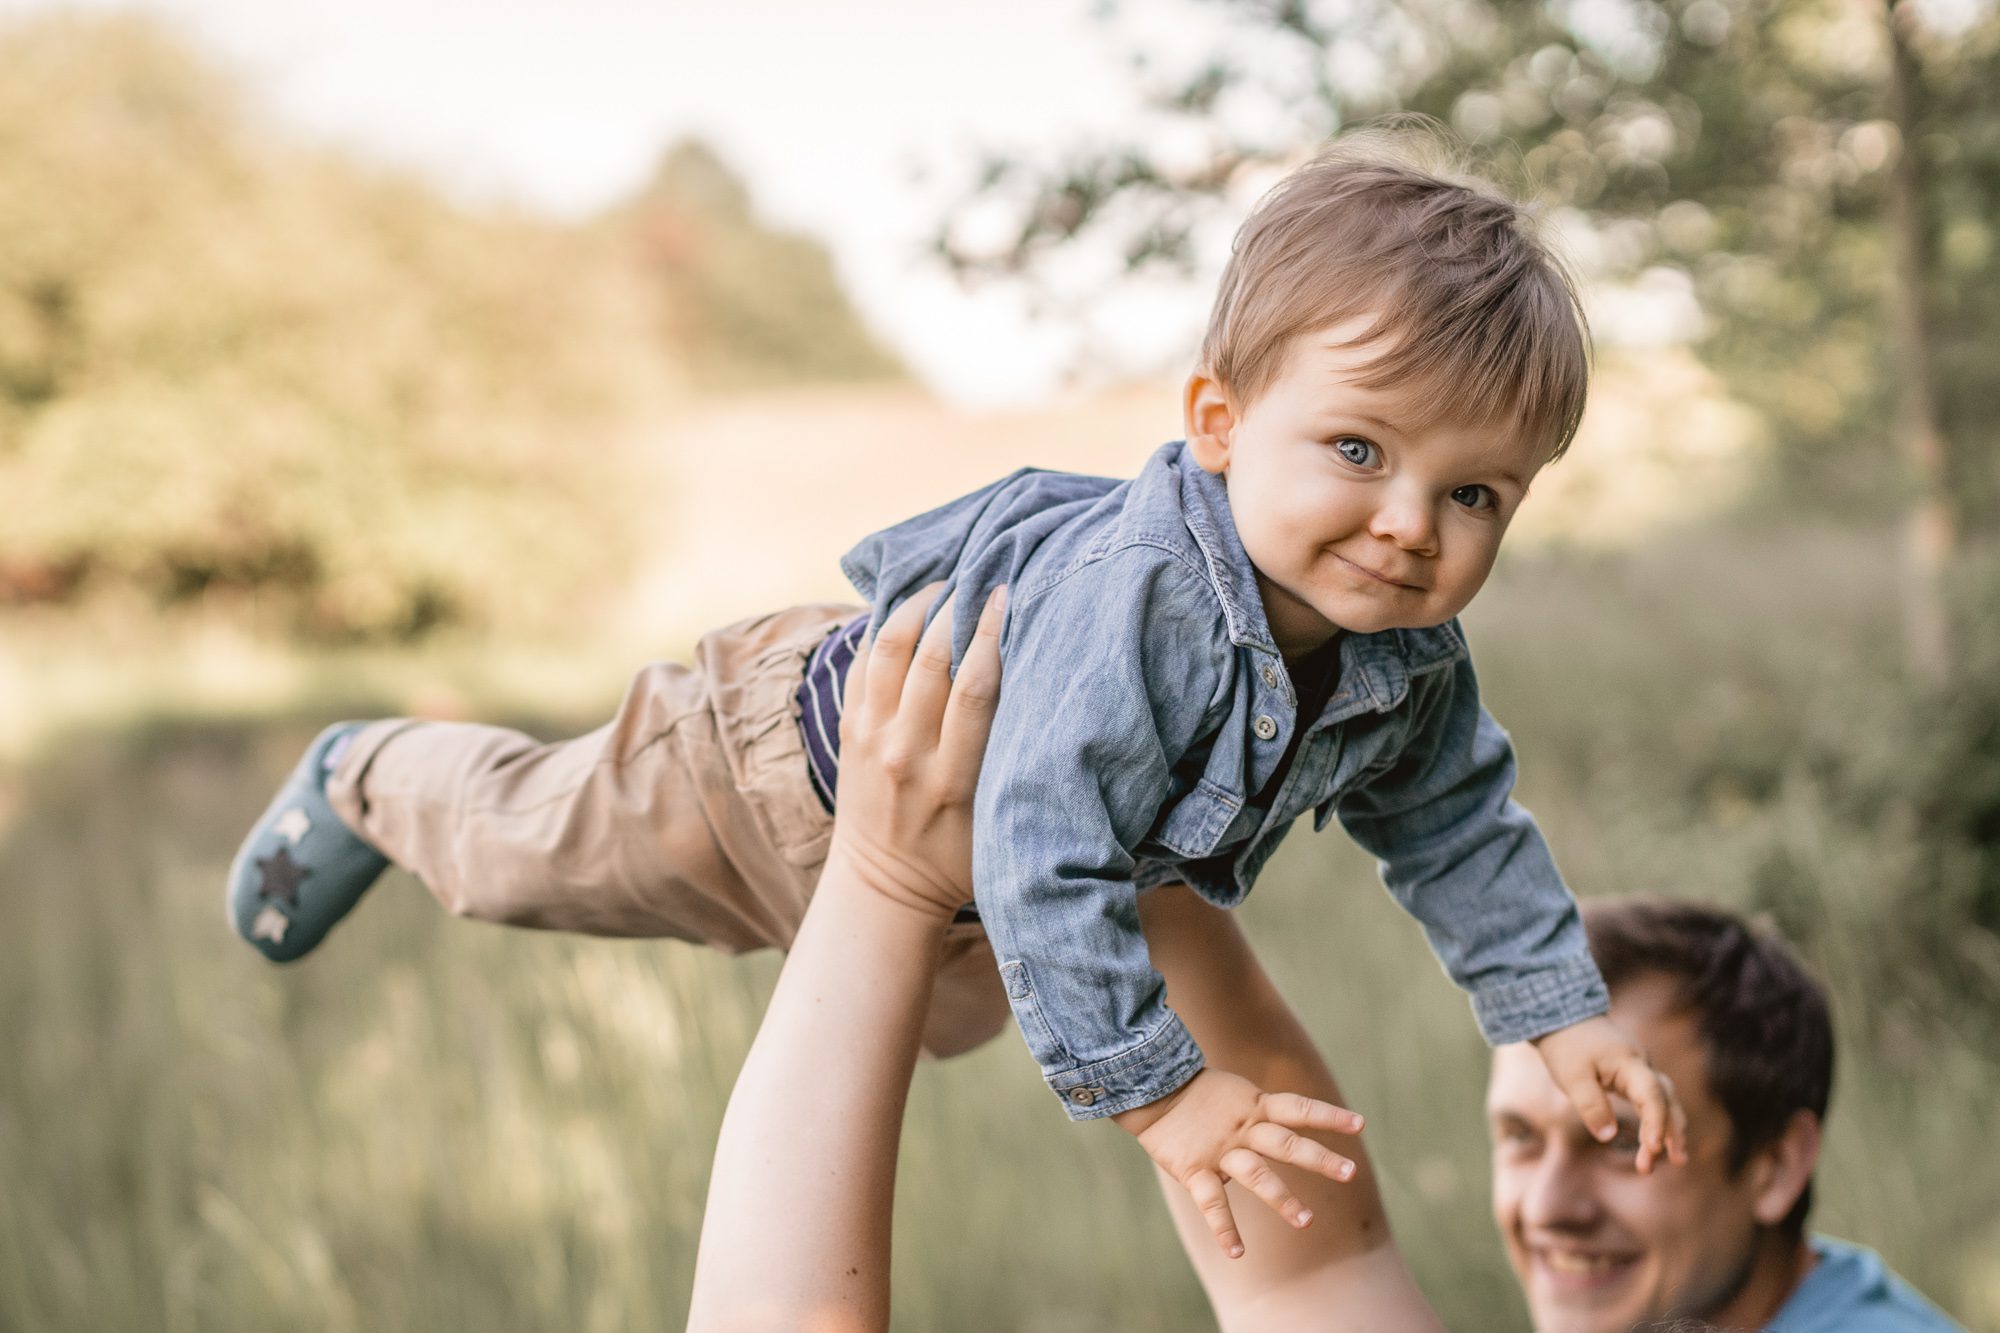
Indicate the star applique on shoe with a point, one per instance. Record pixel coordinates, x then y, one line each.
300 868
282 876
292 825
271 925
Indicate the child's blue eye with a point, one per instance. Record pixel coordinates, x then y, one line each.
1474 497
1356 451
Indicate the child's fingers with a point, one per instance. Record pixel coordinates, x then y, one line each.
1275 1143
1212 1200
974 694
1302 1112
1641 1086
889 657
1253 1173
1593 1106
1677 1125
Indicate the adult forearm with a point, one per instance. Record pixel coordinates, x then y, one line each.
796 1233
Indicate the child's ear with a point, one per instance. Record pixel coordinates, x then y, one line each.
1209 420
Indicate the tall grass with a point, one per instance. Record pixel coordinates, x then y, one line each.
436 1125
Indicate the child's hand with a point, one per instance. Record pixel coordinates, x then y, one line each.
1219 1127
1590 1059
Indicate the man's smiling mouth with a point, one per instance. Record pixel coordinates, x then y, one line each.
1581 1270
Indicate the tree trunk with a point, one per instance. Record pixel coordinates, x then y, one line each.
1931 527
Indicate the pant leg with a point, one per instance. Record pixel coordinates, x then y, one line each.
689 815
686 815
968 1004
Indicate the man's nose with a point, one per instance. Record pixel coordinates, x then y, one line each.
1559 1192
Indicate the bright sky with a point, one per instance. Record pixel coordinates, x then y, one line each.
825 106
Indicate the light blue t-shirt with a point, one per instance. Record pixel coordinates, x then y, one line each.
1850 1290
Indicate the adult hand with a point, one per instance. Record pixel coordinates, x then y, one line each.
911 740
796 1232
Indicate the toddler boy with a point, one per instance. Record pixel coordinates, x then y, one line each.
1260 624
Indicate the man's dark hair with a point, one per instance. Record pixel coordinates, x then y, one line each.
1763 1019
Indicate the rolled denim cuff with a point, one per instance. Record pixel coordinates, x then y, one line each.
1160 1064
1535 1005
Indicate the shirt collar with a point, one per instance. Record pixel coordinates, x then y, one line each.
1205 507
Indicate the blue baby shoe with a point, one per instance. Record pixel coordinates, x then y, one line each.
301 869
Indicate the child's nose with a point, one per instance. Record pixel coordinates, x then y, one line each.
1408 524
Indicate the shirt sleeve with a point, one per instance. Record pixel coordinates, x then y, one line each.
1110 674
1462 857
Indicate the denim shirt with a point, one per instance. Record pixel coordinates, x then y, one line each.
1144 717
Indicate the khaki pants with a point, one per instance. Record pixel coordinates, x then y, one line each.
689 815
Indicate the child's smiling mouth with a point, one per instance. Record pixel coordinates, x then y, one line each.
1378 577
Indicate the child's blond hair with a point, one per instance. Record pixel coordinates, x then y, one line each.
1476 314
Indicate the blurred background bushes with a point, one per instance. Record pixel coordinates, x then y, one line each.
243 368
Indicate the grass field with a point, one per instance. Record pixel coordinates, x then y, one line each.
438 1125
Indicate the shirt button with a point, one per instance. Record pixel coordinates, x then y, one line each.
1271 677
1083 1096
1264 727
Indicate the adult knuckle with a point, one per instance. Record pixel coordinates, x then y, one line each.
976 698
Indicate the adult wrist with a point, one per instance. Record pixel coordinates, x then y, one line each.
851 870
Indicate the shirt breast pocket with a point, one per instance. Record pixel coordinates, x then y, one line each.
1365 755
1194 826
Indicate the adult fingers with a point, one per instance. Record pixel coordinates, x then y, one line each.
928 685
1302 1112
974 695
889 657
1275 1143
1212 1201
854 694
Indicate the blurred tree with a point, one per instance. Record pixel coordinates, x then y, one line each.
1827 194
239 368
244 369
737 303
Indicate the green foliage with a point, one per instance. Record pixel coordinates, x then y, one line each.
1743 143
1760 744
238 368
237 365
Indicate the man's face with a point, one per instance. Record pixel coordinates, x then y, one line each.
1354 519
1597 1247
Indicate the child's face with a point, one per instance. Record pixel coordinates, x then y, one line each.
1353 520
